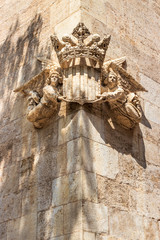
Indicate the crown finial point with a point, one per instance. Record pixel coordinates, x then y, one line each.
81 32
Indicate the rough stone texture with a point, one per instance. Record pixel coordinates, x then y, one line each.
50 223
122 224
82 177
95 217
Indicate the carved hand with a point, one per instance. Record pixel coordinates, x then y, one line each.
103 96
61 98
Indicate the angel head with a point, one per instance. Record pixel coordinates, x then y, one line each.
54 79
33 98
111 81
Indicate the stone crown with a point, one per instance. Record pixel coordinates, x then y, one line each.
67 49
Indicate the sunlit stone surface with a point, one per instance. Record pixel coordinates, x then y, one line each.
82 176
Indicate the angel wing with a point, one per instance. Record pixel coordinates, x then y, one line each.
35 84
117 61
48 64
127 81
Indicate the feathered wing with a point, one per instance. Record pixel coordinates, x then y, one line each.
45 62
117 61
49 64
35 84
127 81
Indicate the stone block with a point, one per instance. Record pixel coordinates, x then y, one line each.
89 236
44 195
70 8
73 236
115 136
13 228
20 229
60 161
58 12
18 107
26 128
47 166
99 158
10 207
28 226
95 25
151 148
152 183
152 132
57 238
130 171
152 112
74 187
146 204
72 217
28 172
60 166
4 106
95 217
9 180
67 189
6 154
23 147
125 225
112 193
3 231
89 186
159 228
107 237
47 137
50 223
153 94
136 176
92 127
7 133
68 24
90 6
69 127
29 200
74 158
74 6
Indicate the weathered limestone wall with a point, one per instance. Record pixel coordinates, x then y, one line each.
79 178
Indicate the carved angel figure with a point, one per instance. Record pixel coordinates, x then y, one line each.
124 104
41 109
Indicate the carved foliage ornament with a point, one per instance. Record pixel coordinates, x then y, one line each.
82 76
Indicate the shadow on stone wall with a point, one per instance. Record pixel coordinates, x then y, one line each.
128 142
18 63
18 56
17 147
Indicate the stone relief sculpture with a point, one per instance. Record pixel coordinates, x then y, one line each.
124 104
42 95
82 76
40 109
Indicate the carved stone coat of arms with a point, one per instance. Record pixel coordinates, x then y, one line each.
82 76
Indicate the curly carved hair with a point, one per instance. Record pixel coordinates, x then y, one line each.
105 76
54 73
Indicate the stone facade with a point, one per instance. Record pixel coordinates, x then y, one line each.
82 176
